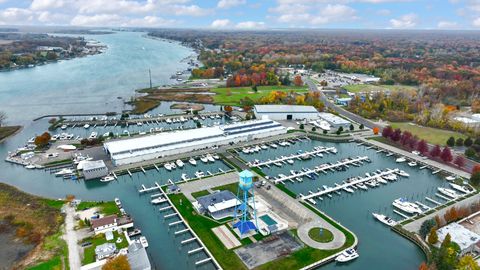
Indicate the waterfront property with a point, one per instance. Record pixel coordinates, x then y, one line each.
94 169
334 121
466 239
218 205
111 223
285 112
164 144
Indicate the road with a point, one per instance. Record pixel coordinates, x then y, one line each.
71 239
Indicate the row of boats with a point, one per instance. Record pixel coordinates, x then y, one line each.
403 159
179 163
272 145
299 155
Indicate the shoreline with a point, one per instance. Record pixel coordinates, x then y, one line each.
18 129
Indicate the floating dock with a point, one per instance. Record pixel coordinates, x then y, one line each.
294 156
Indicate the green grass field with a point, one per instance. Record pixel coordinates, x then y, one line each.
357 88
106 208
431 135
237 93
325 237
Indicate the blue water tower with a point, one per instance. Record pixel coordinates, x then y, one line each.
241 219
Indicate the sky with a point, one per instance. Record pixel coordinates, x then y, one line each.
246 14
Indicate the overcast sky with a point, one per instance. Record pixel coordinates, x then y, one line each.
246 14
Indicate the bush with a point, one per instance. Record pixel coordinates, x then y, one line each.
352 127
302 126
468 142
451 142
459 142
361 126
314 129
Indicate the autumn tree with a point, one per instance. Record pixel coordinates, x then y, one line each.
423 266
446 155
228 109
459 161
422 147
436 151
475 177
432 236
387 132
298 80
375 130
42 140
467 262
118 263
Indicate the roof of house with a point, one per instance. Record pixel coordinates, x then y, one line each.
218 201
137 257
105 249
285 109
103 221
459 234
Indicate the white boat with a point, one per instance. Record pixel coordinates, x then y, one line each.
192 161
450 178
172 165
448 192
158 200
385 220
362 186
406 206
169 121
347 255
264 147
403 173
460 188
139 124
93 135
64 172
278 164
400 159
107 178
204 159
179 163
167 166
412 163
185 177
210 158
290 161
215 156
274 146
143 241
86 126
312 201
381 180
118 202
134 232
63 127
246 151
349 190
199 174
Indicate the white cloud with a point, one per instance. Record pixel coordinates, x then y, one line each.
447 24
15 16
221 23
150 21
48 17
405 21
230 3
476 22
97 20
46 4
192 10
250 25
297 13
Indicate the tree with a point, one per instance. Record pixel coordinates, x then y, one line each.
228 109
451 141
314 129
361 126
427 226
340 128
199 124
375 130
387 132
42 140
298 80
459 161
446 155
422 147
477 141
470 152
475 177
338 132
436 151
301 126
467 263
254 88
118 263
459 142
396 135
3 117
468 142
432 236
351 127
423 266
325 132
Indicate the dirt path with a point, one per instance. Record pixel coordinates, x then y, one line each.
71 238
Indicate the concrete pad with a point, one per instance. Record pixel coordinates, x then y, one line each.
226 236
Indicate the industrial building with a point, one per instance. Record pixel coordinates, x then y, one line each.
334 121
218 205
94 169
466 239
285 112
168 143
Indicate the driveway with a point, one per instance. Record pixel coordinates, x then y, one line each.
70 237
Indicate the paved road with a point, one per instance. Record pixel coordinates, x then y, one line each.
70 237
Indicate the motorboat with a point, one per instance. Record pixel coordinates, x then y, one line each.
412 163
210 158
192 161
107 178
406 206
333 150
139 124
172 165
86 126
274 146
63 127
185 177
278 164
349 190
450 178
460 188
381 180
118 202
347 255
64 172
264 147
167 166
312 201
290 161
158 200
199 174
246 150
143 241
30 166
384 219
204 159
134 232
448 192
179 163
400 159
403 173
362 186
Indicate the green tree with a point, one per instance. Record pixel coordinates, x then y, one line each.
467 262
459 142
475 178
361 126
451 141
199 125
325 132
301 126
432 237
314 129
352 127
468 142
426 227
254 88
470 152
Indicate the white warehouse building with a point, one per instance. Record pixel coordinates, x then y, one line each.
285 112
169 143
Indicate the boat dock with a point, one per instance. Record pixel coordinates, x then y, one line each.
346 185
322 168
294 156
145 189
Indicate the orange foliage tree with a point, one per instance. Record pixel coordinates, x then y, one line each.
118 263
376 130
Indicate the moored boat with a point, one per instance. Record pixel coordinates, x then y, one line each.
347 255
384 219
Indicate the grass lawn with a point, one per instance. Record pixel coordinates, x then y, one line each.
200 193
238 93
141 106
357 88
8 131
99 239
55 244
325 237
232 187
203 228
106 208
431 135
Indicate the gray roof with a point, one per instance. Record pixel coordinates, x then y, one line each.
106 249
333 119
215 198
94 164
137 257
285 109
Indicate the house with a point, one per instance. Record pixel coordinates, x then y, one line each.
466 239
218 205
104 224
105 251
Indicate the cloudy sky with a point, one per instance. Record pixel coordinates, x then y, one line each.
246 14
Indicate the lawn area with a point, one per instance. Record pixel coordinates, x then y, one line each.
431 135
99 239
324 237
203 228
357 88
58 247
7 131
232 187
238 93
106 208
200 193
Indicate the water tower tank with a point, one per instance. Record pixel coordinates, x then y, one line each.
246 180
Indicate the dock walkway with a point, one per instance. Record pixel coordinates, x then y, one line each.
295 156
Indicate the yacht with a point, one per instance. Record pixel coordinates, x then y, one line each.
448 192
158 200
210 158
278 164
362 186
412 163
460 188
192 161
139 124
199 174
179 163
169 121
290 161
172 165
381 180
215 156
63 127
143 241
167 166
107 178
185 177
93 135
406 206
403 173
349 190
134 232
246 151
118 202
312 201
274 146
385 220
450 178
264 147
204 159
64 172
347 255
86 126
400 159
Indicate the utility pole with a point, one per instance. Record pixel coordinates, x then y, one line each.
150 75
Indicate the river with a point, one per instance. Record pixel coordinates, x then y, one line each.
93 83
